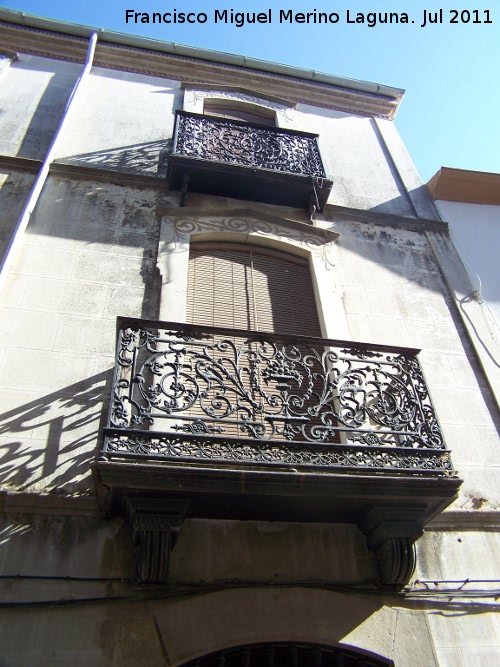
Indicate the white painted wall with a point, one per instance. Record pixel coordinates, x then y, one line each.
33 94
121 121
475 231
353 155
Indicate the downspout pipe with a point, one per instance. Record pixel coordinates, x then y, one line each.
37 187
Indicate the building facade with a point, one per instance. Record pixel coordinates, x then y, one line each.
245 418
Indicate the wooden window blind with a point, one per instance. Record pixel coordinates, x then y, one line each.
236 110
251 287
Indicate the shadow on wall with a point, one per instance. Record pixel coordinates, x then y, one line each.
58 434
48 112
147 158
403 205
14 190
226 618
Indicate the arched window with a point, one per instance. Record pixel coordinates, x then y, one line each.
251 287
238 110
254 288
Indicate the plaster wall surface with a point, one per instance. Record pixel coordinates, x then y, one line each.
177 626
463 632
394 293
14 189
121 121
87 255
357 160
301 562
85 545
475 230
33 94
125 121
421 204
169 633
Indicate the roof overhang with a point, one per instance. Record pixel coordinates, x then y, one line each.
66 41
466 186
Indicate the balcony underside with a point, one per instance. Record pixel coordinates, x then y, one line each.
390 509
246 183
293 494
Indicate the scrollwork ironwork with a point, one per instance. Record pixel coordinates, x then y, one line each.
234 451
186 392
210 138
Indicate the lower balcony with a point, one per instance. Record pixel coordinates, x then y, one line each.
219 423
231 158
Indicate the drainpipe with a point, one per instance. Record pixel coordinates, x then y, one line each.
34 195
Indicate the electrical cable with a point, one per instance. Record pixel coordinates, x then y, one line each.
457 596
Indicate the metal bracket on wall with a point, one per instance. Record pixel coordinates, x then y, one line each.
184 189
155 523
314 201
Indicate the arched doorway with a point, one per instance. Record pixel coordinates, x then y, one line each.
287 654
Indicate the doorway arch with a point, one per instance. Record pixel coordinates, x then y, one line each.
288 654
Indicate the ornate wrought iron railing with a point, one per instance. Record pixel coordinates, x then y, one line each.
240 143
189 394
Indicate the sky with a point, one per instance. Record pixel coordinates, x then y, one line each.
450 69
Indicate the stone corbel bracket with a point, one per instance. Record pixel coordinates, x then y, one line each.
155 523
391 534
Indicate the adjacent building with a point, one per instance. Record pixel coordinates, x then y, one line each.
246 418
469 201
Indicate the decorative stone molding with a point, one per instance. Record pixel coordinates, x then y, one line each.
194 98
396 561
182 223
391 534
155 524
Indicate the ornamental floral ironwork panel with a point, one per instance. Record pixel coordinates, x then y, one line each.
232 142
186 392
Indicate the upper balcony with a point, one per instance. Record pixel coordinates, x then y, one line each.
236 159
243 425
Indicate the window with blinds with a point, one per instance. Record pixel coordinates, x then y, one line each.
251 287
237 110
